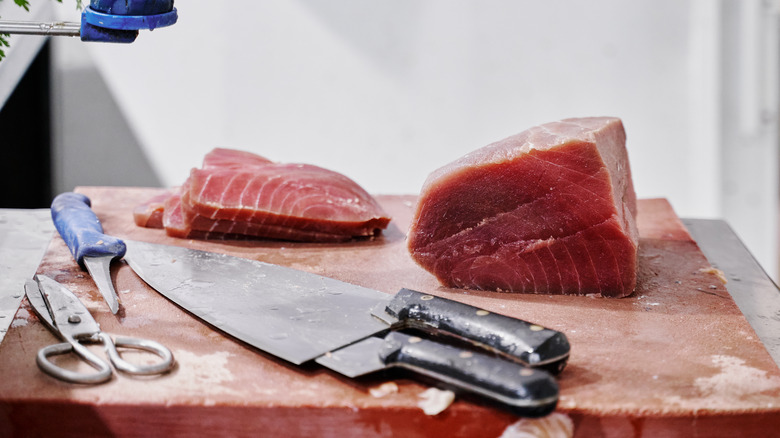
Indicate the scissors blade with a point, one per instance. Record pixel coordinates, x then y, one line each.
71 318
35 297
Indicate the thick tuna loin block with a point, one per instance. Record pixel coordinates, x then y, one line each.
550 210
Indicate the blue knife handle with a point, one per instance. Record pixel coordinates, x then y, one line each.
81 230
522 341
525 391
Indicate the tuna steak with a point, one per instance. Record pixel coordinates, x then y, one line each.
238 194
295 195
550 210
282 197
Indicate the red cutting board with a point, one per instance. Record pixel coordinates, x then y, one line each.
677 358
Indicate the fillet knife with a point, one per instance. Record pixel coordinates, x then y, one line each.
82 232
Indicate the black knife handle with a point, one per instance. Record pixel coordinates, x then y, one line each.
525 391
528 343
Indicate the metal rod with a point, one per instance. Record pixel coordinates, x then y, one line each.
59 28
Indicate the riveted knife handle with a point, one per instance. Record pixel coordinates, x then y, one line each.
528 343
525 391
81 230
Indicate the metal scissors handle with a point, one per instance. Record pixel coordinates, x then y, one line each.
65 315
102 366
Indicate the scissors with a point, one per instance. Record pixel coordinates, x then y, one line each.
62 312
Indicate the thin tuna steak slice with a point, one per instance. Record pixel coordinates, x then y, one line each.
241 195
316 203
551 210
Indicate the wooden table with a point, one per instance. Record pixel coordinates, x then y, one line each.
677 358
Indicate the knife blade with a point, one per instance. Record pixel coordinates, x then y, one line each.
299 316
81 230
525 391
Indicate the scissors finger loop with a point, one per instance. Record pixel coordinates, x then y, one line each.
153 347
42 359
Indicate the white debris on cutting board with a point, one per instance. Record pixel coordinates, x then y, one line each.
433 401
555 425
384 389
202 374
735 379
735 386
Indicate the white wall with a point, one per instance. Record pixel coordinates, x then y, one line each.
387 91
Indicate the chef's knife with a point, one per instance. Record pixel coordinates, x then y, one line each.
82 232
300 316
